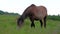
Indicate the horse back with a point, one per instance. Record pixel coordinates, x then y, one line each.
42 10
39 12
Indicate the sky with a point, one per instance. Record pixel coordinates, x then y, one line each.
18 6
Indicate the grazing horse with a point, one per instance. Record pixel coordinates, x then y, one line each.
34 13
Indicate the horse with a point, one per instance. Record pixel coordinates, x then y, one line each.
34 13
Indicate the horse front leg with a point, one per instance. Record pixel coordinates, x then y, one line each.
32 22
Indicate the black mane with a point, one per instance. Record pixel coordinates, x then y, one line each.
25 13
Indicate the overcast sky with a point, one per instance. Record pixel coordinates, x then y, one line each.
18 6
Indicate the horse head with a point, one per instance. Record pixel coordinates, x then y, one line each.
20 22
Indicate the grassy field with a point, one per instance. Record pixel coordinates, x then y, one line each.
8 26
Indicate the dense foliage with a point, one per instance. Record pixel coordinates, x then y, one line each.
54 17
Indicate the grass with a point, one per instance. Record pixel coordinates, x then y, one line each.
8 26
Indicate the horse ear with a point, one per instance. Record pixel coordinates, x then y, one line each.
32 5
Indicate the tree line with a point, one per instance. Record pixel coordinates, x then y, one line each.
54 17
2 13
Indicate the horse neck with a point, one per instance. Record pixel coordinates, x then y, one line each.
23 16
26 12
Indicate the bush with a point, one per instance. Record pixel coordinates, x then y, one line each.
54 17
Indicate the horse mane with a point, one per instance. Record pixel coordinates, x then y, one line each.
24 15
29 7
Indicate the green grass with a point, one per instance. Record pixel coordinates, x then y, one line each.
8 26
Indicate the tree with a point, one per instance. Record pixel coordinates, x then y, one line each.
1 12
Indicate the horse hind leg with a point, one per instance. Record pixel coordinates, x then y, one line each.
45 21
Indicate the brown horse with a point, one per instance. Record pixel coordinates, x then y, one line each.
34 13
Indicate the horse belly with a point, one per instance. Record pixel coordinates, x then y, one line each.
40 16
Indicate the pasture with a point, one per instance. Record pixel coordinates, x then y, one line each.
8 25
